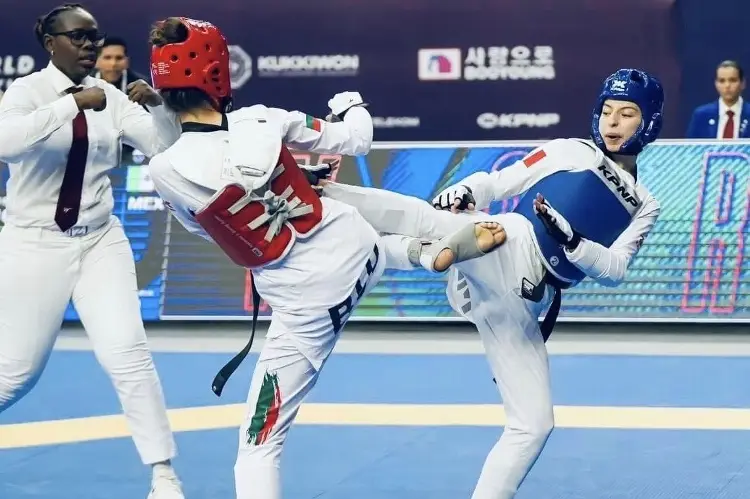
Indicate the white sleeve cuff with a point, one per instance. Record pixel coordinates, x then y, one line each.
65 109
577 254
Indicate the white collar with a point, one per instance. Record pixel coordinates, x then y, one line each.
736 108
60 82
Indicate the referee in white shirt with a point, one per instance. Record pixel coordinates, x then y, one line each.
60 133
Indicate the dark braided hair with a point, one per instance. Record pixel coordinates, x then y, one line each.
167 32
45 24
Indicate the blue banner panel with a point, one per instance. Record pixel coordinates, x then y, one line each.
447 70
691 267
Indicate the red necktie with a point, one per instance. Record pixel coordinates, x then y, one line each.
729 127
69 200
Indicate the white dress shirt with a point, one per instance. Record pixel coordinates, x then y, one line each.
723 118
36 130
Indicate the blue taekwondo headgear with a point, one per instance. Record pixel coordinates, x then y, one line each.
639 87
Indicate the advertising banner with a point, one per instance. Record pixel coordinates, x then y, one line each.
691 267
431 71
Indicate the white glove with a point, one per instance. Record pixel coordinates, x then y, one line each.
342 102
455 198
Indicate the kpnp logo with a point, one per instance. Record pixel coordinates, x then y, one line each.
439 64
488 121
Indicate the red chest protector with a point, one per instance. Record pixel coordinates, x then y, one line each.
259 228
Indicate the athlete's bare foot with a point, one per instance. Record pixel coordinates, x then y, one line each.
490 235
487 236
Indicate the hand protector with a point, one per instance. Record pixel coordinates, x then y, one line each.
458 197
555 223
342 102
316 173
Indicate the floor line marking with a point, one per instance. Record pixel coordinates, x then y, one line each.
230 416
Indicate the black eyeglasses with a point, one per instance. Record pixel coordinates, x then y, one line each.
78 37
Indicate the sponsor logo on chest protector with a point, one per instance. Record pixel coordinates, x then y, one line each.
620 187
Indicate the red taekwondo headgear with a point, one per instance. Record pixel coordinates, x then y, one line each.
201 61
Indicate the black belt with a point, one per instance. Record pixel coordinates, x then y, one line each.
535 292
223 376
550 319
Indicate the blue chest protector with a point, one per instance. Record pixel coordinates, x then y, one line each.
596 203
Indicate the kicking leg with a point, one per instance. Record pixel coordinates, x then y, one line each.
471 241
393 213
397 252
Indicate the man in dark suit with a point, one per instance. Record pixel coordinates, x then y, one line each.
113 64
729 116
